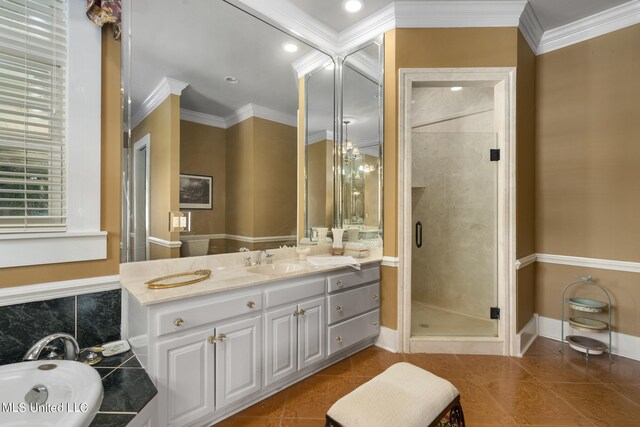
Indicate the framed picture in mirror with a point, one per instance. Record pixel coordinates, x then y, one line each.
195 191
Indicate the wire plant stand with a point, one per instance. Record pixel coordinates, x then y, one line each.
585 305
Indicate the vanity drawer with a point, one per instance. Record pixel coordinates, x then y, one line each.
297 291
351 303
353 331
337 282
190 315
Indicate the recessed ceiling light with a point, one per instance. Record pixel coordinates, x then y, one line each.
290 47
231 79
456 88
353 5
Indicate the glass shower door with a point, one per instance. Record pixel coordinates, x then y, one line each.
454 211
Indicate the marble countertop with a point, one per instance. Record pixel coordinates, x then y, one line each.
228 272
127 389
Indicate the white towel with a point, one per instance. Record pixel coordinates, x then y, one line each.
334 261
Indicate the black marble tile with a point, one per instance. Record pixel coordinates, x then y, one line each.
111 420
127 390
103 372
115 361
132 363
21 325
99 317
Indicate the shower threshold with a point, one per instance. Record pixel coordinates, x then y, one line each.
428 320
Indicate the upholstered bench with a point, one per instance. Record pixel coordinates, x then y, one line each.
402 396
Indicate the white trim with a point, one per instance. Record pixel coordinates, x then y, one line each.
46 291
367 65
604 264
370 27
265 239
310 62
255 110
322 135
202 118
622 344
390 261
458 14
530 27
52 248
164 243
604 22
526 336
388 339
167 86
523 262
188 237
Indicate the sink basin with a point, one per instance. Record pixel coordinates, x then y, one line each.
279 268
49 393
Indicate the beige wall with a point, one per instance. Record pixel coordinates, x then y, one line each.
320 183
587 174
110 164
239 205
428 48
203 152
163 126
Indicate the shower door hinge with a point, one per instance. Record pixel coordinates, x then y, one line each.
494 154
495 313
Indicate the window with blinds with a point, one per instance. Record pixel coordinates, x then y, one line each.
33 70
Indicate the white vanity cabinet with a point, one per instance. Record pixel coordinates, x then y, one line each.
212 355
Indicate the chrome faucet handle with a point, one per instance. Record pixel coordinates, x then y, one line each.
71 347
243 249
269 257
247 261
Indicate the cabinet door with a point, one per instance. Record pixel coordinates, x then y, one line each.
311 332
281 345
185 378
238 360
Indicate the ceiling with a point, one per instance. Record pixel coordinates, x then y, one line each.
550 13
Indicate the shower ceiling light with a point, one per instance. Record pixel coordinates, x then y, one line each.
352 5
290 47
456 88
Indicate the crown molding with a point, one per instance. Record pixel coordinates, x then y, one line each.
322 135
202 118
255 110
367 65
592 26
310 62
458 14
530 27
298 22
367 29
167 86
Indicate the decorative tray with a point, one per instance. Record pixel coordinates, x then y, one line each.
585 324
180 279
587 305
583 344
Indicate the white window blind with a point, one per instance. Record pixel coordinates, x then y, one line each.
33 70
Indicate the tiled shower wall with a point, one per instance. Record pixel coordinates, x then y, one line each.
92 318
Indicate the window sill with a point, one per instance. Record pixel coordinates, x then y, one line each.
18 250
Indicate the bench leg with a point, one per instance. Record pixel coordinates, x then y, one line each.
330 422
456 416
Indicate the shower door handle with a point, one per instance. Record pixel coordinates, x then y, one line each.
419 234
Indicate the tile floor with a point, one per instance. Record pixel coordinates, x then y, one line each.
544 388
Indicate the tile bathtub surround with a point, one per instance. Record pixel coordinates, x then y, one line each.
495 390
92 318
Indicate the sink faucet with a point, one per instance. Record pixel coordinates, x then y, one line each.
247 259
266 255
71 347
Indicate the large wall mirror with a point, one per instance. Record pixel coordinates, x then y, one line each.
228 125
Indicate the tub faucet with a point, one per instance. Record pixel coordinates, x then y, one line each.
71 348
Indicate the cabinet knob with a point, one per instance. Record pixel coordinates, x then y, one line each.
339 308
375 297
302 312
296 313
178 322
212 339
339 339
375 324
251 304
222 337
339 283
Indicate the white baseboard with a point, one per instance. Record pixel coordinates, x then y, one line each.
527 336
47 291
621 344
388 339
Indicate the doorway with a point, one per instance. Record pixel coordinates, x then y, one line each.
457 136
141 174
